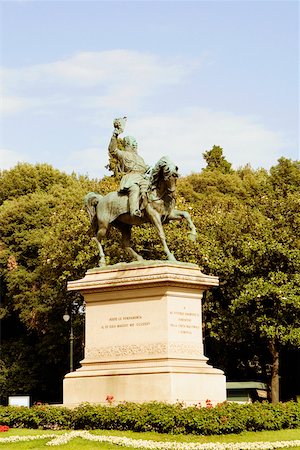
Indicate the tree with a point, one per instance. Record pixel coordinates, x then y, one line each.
216 161
34 273
270 308
25 178
252 222
248 235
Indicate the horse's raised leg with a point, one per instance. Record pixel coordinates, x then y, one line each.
176 214
126 241
156 220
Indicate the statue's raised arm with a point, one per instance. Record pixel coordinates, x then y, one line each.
114 145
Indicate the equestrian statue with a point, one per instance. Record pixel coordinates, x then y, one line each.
145 196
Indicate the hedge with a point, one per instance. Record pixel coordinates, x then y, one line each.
42 417
160 417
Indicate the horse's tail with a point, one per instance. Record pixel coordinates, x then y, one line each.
91 201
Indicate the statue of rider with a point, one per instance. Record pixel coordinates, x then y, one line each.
134 181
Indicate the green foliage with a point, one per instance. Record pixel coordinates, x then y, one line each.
224 418
44 242
3 376
249 234
285 177
165 418
216 161
25 179
248 227
273 304
43 417
159 417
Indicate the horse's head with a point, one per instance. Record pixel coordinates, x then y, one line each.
164 176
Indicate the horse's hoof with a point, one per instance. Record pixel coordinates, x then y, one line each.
102 264
193 237
140 258
172 257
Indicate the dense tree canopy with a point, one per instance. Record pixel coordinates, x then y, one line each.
252 218
248 234
33 286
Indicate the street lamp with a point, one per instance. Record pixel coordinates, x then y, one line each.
68 317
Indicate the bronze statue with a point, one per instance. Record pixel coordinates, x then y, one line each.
134 183
143 196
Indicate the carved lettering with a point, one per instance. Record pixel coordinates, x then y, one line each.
130 321
185 322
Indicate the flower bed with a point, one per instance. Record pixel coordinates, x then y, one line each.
56 440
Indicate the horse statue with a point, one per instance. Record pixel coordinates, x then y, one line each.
158 207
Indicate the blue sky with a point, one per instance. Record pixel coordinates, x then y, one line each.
189 75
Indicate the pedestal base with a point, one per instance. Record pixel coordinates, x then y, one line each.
189 388
144 337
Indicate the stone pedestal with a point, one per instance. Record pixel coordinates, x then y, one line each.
144 336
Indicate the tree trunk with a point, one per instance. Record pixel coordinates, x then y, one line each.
274 372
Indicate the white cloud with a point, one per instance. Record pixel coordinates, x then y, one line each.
88 161
13 104
89 87
109 69
94 68
108 81
184 136
9 158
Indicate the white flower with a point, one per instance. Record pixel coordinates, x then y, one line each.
61 439
27 438
156 445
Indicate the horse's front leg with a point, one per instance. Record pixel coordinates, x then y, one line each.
101 233
102 261
176 214
156 220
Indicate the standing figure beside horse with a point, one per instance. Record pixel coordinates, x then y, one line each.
144 196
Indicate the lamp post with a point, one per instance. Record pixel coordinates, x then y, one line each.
68 317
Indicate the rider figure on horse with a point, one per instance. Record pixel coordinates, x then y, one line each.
134 182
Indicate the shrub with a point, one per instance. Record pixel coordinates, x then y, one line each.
160 417
43 416
165 418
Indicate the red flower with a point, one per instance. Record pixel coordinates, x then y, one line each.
4 428
110 398
209 404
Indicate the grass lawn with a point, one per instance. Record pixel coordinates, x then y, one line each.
79 443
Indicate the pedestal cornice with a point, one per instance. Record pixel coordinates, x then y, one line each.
139 275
